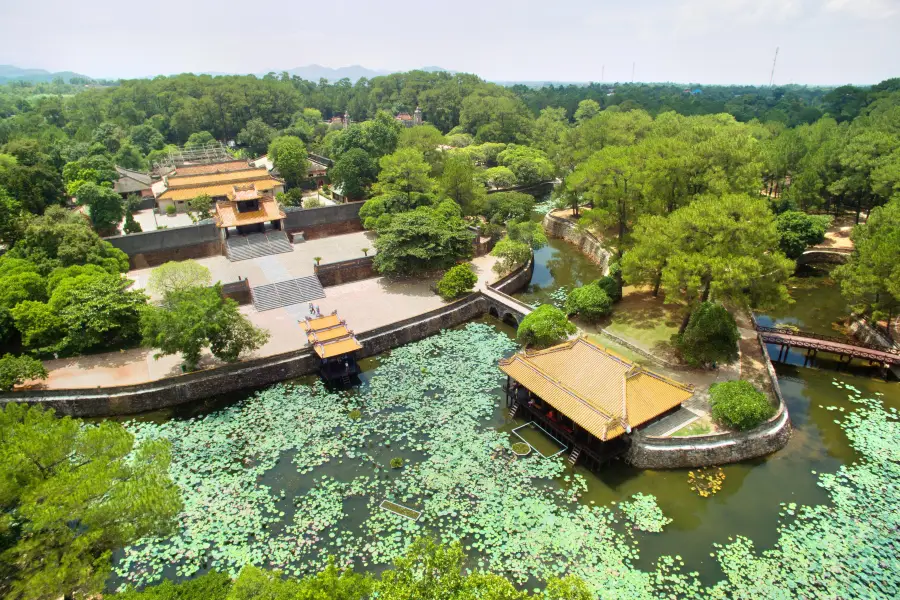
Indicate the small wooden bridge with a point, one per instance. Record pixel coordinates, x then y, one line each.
789 338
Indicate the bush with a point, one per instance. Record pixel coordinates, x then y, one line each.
171 210
19 369
590 302
544 326
739 405
511 254
312 202
611 286
798 230
711 336
131 226
397 463
209 586
457 281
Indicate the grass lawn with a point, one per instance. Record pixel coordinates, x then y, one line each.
645 321
701 426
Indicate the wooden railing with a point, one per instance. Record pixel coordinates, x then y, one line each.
787 331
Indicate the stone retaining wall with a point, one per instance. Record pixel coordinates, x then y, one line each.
587 242
152 248
823 256
324 221
346 271
517 280
245 375
702 451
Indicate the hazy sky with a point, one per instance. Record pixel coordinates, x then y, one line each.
705 41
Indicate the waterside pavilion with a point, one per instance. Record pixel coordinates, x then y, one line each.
335 344
588 397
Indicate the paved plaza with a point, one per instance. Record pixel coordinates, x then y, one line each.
365 305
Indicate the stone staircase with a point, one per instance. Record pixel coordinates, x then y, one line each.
287 293
255 245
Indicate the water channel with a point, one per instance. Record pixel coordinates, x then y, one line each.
750 500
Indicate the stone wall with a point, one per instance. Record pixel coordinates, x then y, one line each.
587 242
541 187
517 280
705 450
245 375
346 271
324 221
239 291
865 333
152 248
823 256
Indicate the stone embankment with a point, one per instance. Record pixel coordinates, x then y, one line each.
585 241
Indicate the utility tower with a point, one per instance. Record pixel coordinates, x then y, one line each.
772 76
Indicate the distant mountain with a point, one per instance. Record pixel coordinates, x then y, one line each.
317 72
10 73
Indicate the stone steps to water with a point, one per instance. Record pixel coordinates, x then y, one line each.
573 458
256 245
287 293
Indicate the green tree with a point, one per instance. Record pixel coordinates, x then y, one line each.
405 173
611 286
129 157
797 231
209 586
457 282
870 280
739 405
131 225
194 318
499 177
505 207
423 239
97 311
722 246
19 369
256 136
22 286
590 302
288 155
200 208
587 109
199 139
428 140
73 494
176 276
104 205
429 571
711 336
510 254
528 232
12 219
459 184
544 326
146 138
529 165
354 171
39 325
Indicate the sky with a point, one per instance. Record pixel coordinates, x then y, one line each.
825 42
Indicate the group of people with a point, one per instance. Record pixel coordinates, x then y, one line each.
314 310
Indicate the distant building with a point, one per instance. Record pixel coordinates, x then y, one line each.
217 180
410 120
133 182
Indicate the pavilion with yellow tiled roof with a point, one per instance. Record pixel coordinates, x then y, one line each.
587 394
334 343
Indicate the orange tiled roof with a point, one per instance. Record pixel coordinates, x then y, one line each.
602 392
329 336
222 167
220 184
242 192
227 214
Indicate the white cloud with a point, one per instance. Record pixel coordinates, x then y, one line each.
865 9
697 16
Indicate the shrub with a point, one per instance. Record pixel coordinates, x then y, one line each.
175 276
397 463
739 405
457 281
798 230
590 302
312 202
611 286
711 336
19 369
511 254
544 326
131 226
171 210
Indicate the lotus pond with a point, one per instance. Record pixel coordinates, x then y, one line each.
291 474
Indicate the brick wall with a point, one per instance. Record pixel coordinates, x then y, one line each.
346 271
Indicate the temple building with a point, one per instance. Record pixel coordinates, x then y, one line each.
133 182
588 397
335 345
244 195
410 121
